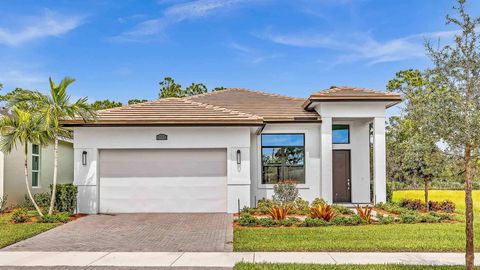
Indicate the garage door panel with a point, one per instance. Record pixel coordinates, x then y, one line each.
129 190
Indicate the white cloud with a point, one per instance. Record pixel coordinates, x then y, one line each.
47 25
174 14
252 55
355 47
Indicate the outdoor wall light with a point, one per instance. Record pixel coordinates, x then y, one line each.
239 157
84 158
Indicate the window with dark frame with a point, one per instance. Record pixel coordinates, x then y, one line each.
35 165
283 157
340 134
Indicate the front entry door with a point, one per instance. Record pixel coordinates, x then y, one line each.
341 176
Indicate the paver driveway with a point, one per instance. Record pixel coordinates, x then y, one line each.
136 232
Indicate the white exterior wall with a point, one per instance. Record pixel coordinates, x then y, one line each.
92 139
308 191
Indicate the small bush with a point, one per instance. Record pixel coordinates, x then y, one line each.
317 202
314 222
20 215
393 208
429 218
66 198
342 209
385 219
248 210
442 216
62 217
42 199
324 212
412 204
365 213
268 222
247 220
389 191
285 191
278 213
410 218
300 206
264 205
447 206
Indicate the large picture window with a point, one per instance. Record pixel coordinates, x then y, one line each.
283 157
35 165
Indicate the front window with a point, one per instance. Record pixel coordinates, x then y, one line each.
283 158
341 134
35 165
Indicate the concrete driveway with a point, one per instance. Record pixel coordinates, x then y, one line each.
136 232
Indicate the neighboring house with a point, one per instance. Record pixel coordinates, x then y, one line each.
221 151
40 169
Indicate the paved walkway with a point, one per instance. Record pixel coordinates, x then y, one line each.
138 233
209 260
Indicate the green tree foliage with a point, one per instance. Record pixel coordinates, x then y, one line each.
23 127
136 101
447 108
169 88
105 104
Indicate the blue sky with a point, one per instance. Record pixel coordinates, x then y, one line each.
120 50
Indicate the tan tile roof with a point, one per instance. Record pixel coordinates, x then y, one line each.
175 111
271 107
347 93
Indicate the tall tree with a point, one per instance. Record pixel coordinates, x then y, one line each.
22 127
449 104
54 108
169 88
105 104
195 89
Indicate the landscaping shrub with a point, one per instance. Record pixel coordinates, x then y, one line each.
342 209
300 206
285 192
447 206
412 204
324 212
365 213
42 199
268 222
429 218
393 208
66 198
442 216
385 219
317 202
314 222
354 220
247 220
248 210
410 217
278 213
20 215
62 217
264 205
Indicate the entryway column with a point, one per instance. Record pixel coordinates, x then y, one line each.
379 160
326 150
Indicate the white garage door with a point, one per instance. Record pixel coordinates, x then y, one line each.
163 180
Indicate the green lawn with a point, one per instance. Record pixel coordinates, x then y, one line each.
11 233
250 266
395 237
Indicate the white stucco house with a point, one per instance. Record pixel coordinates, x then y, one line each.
220 151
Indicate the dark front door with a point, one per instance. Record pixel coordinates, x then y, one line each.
341 176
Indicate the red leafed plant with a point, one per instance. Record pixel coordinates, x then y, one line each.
365 213
278 213
323 211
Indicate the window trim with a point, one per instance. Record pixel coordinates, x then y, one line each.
348 130
261 156
39 166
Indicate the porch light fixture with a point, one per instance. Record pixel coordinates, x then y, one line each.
239 157
84 158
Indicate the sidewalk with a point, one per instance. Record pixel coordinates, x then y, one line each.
221 259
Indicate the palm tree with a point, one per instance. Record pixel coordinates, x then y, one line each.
22 127
54 108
